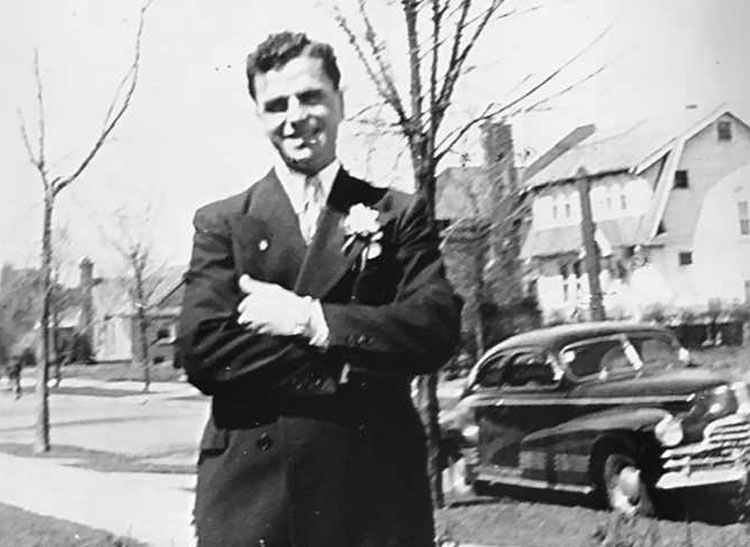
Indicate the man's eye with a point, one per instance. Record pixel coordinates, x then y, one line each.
277 105
314 96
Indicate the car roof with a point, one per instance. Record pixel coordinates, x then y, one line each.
555 338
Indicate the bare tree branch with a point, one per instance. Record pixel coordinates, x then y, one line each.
114 113
492 109
26 141
384 65
459 54
415 67
364 110
437 18
380 85
565 90
40 105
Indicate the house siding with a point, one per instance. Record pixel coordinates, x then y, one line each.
707 161
702 219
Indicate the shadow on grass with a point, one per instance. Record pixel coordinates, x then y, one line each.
710 505
21 528
91 391
85 391
100 460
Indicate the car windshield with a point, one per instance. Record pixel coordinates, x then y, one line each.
623 354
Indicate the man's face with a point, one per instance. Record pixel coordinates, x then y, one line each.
300 111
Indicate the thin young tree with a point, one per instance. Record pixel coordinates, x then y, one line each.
441 36
52 185
142 278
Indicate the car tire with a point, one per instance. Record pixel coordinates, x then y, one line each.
621 484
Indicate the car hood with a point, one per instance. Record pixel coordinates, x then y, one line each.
678 382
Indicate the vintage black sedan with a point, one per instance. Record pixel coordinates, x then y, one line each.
611 408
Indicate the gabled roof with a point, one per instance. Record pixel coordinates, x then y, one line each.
631 148
567 239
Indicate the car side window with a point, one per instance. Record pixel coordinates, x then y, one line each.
492 373
529 369
590 358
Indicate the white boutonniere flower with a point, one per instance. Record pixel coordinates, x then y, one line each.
362 224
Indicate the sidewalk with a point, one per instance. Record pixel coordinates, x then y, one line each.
115 417
153 508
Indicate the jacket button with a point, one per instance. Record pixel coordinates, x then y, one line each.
264 441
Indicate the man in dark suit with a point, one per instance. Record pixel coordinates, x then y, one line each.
312 299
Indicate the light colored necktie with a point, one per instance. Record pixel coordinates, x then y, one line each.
311 207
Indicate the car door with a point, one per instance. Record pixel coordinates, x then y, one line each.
516 396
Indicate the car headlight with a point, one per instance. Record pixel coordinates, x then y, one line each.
470 433
669 431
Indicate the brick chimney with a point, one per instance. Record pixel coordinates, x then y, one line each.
499 156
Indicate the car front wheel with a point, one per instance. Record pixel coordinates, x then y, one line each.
622 485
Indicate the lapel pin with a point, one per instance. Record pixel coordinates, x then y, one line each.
263 244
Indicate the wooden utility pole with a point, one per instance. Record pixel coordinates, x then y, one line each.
591 260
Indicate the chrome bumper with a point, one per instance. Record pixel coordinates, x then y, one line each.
723 456
670 481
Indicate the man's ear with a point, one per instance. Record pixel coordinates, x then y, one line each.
342 109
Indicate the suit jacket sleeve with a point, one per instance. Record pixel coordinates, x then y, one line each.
218 354
419 330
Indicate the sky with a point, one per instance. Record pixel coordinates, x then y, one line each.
191 136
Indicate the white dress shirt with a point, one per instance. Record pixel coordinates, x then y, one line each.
294 183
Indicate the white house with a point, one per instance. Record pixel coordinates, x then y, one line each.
671 202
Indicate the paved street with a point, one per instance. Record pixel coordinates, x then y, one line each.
127 433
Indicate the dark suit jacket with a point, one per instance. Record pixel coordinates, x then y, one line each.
290 456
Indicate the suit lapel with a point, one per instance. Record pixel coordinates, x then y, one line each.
266 239
326 260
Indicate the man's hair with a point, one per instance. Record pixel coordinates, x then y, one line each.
280 48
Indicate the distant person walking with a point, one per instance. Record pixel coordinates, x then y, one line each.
26 357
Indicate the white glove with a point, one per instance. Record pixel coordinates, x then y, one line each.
271 309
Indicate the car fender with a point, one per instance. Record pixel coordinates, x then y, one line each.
575 442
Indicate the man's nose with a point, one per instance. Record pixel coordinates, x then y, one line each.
295 113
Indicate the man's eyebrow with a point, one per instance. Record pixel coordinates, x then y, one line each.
275 103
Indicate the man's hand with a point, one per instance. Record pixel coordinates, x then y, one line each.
271 309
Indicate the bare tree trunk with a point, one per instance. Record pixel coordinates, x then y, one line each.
142 321
478 296
56 337
41 431
429 405
596 303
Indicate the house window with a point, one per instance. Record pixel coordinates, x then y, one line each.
554 212
564 275
623 201
744 214
686 258
681 179
567 209
724 130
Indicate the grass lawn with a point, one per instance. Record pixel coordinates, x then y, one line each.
734 361
19 528
120 371
99 460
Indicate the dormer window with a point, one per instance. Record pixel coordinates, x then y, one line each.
681 179
724 130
